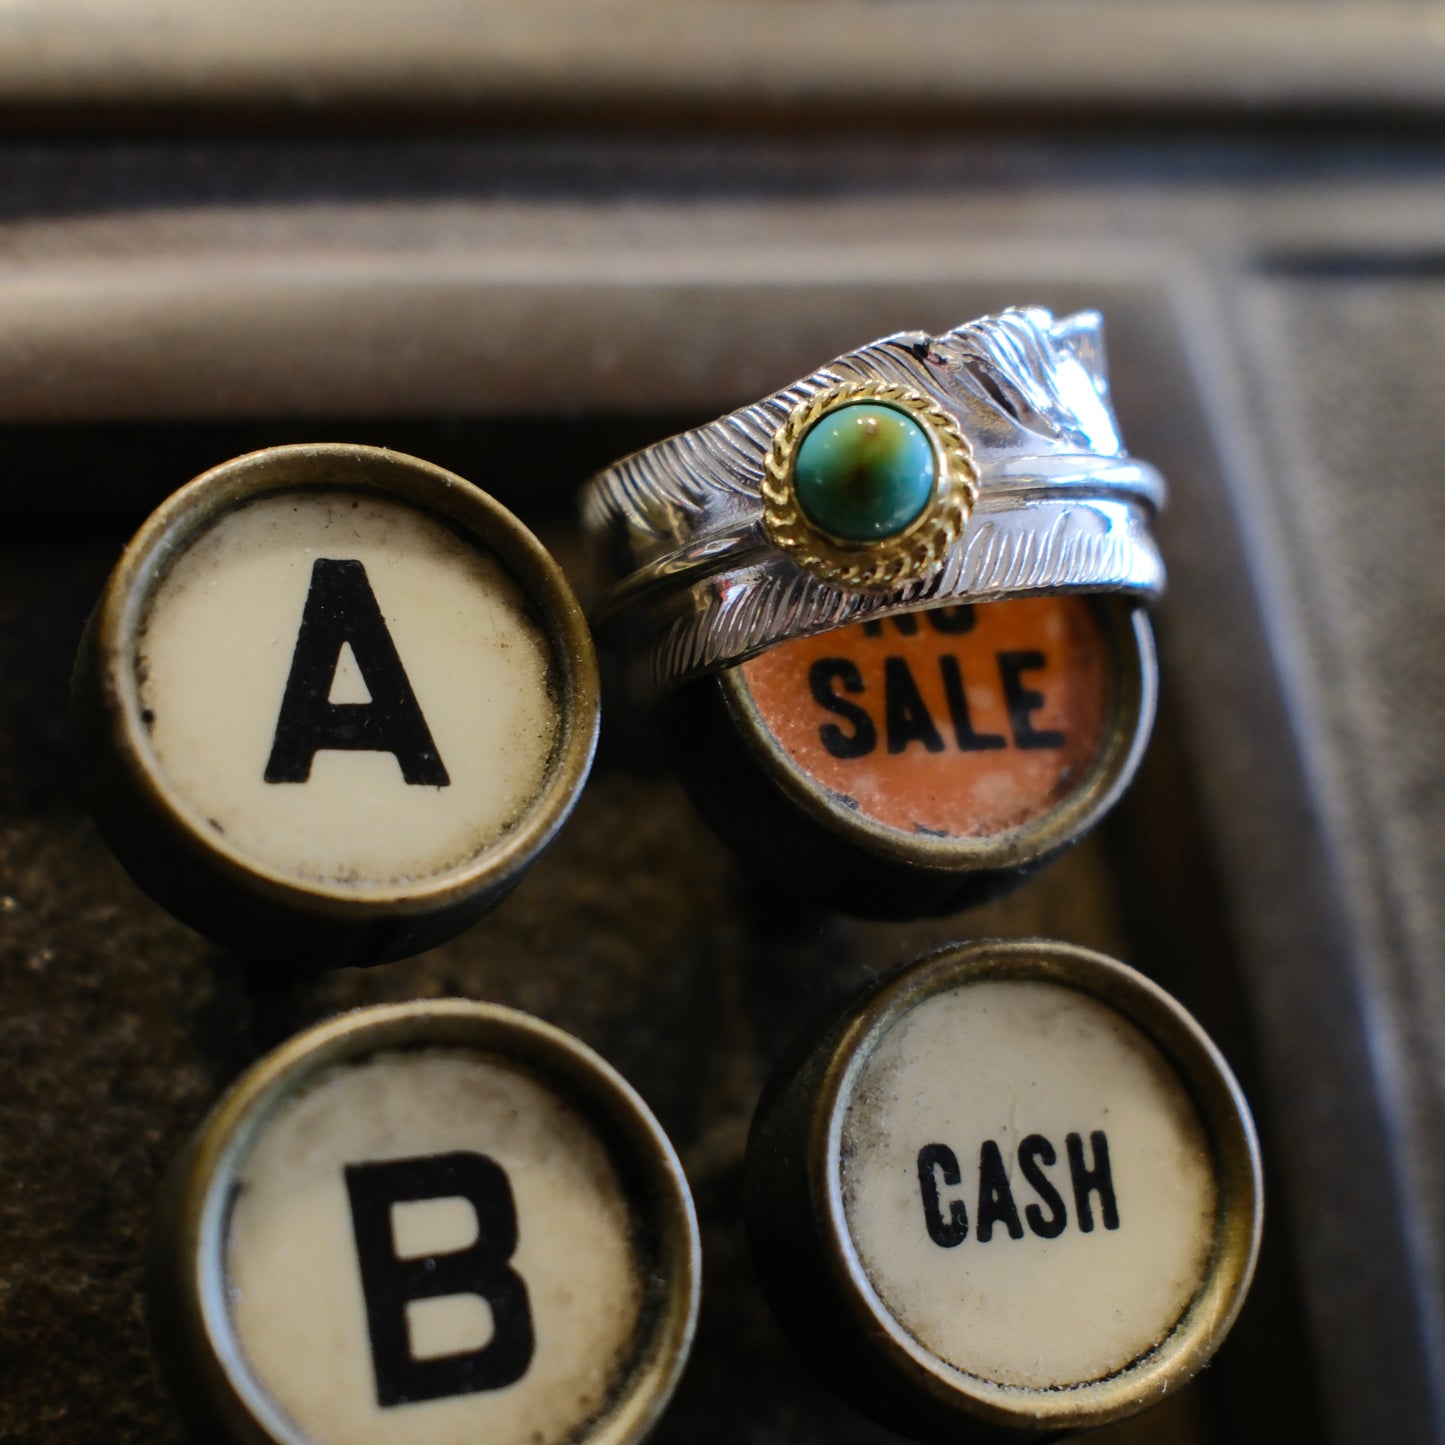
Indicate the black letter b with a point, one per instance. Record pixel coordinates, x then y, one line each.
481 1269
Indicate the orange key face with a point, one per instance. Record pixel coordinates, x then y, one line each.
961 722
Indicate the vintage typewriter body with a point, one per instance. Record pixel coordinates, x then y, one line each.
521 244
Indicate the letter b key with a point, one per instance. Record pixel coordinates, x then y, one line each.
482 1269
421 1224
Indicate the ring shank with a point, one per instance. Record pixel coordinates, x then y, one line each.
1061 507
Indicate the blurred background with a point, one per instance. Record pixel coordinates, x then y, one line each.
522 239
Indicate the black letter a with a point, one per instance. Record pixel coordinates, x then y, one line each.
390 1284
340 610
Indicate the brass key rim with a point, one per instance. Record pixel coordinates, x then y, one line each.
204 1363
110 673
1223 1112
795 1156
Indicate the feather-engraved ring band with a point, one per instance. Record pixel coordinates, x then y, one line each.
917 471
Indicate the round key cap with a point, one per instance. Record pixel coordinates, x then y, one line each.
333 702
912 763
426 1224
1014 1189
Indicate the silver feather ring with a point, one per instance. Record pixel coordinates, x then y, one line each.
917 471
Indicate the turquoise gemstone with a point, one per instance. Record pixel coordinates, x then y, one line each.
864 471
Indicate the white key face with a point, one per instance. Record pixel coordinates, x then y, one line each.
431 1248
346 690
1027 1184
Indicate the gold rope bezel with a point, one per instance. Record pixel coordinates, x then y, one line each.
912 555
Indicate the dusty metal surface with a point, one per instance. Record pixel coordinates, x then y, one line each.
733 62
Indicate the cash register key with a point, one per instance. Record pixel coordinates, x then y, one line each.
333 702
913 763
1012 1190
426 1224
